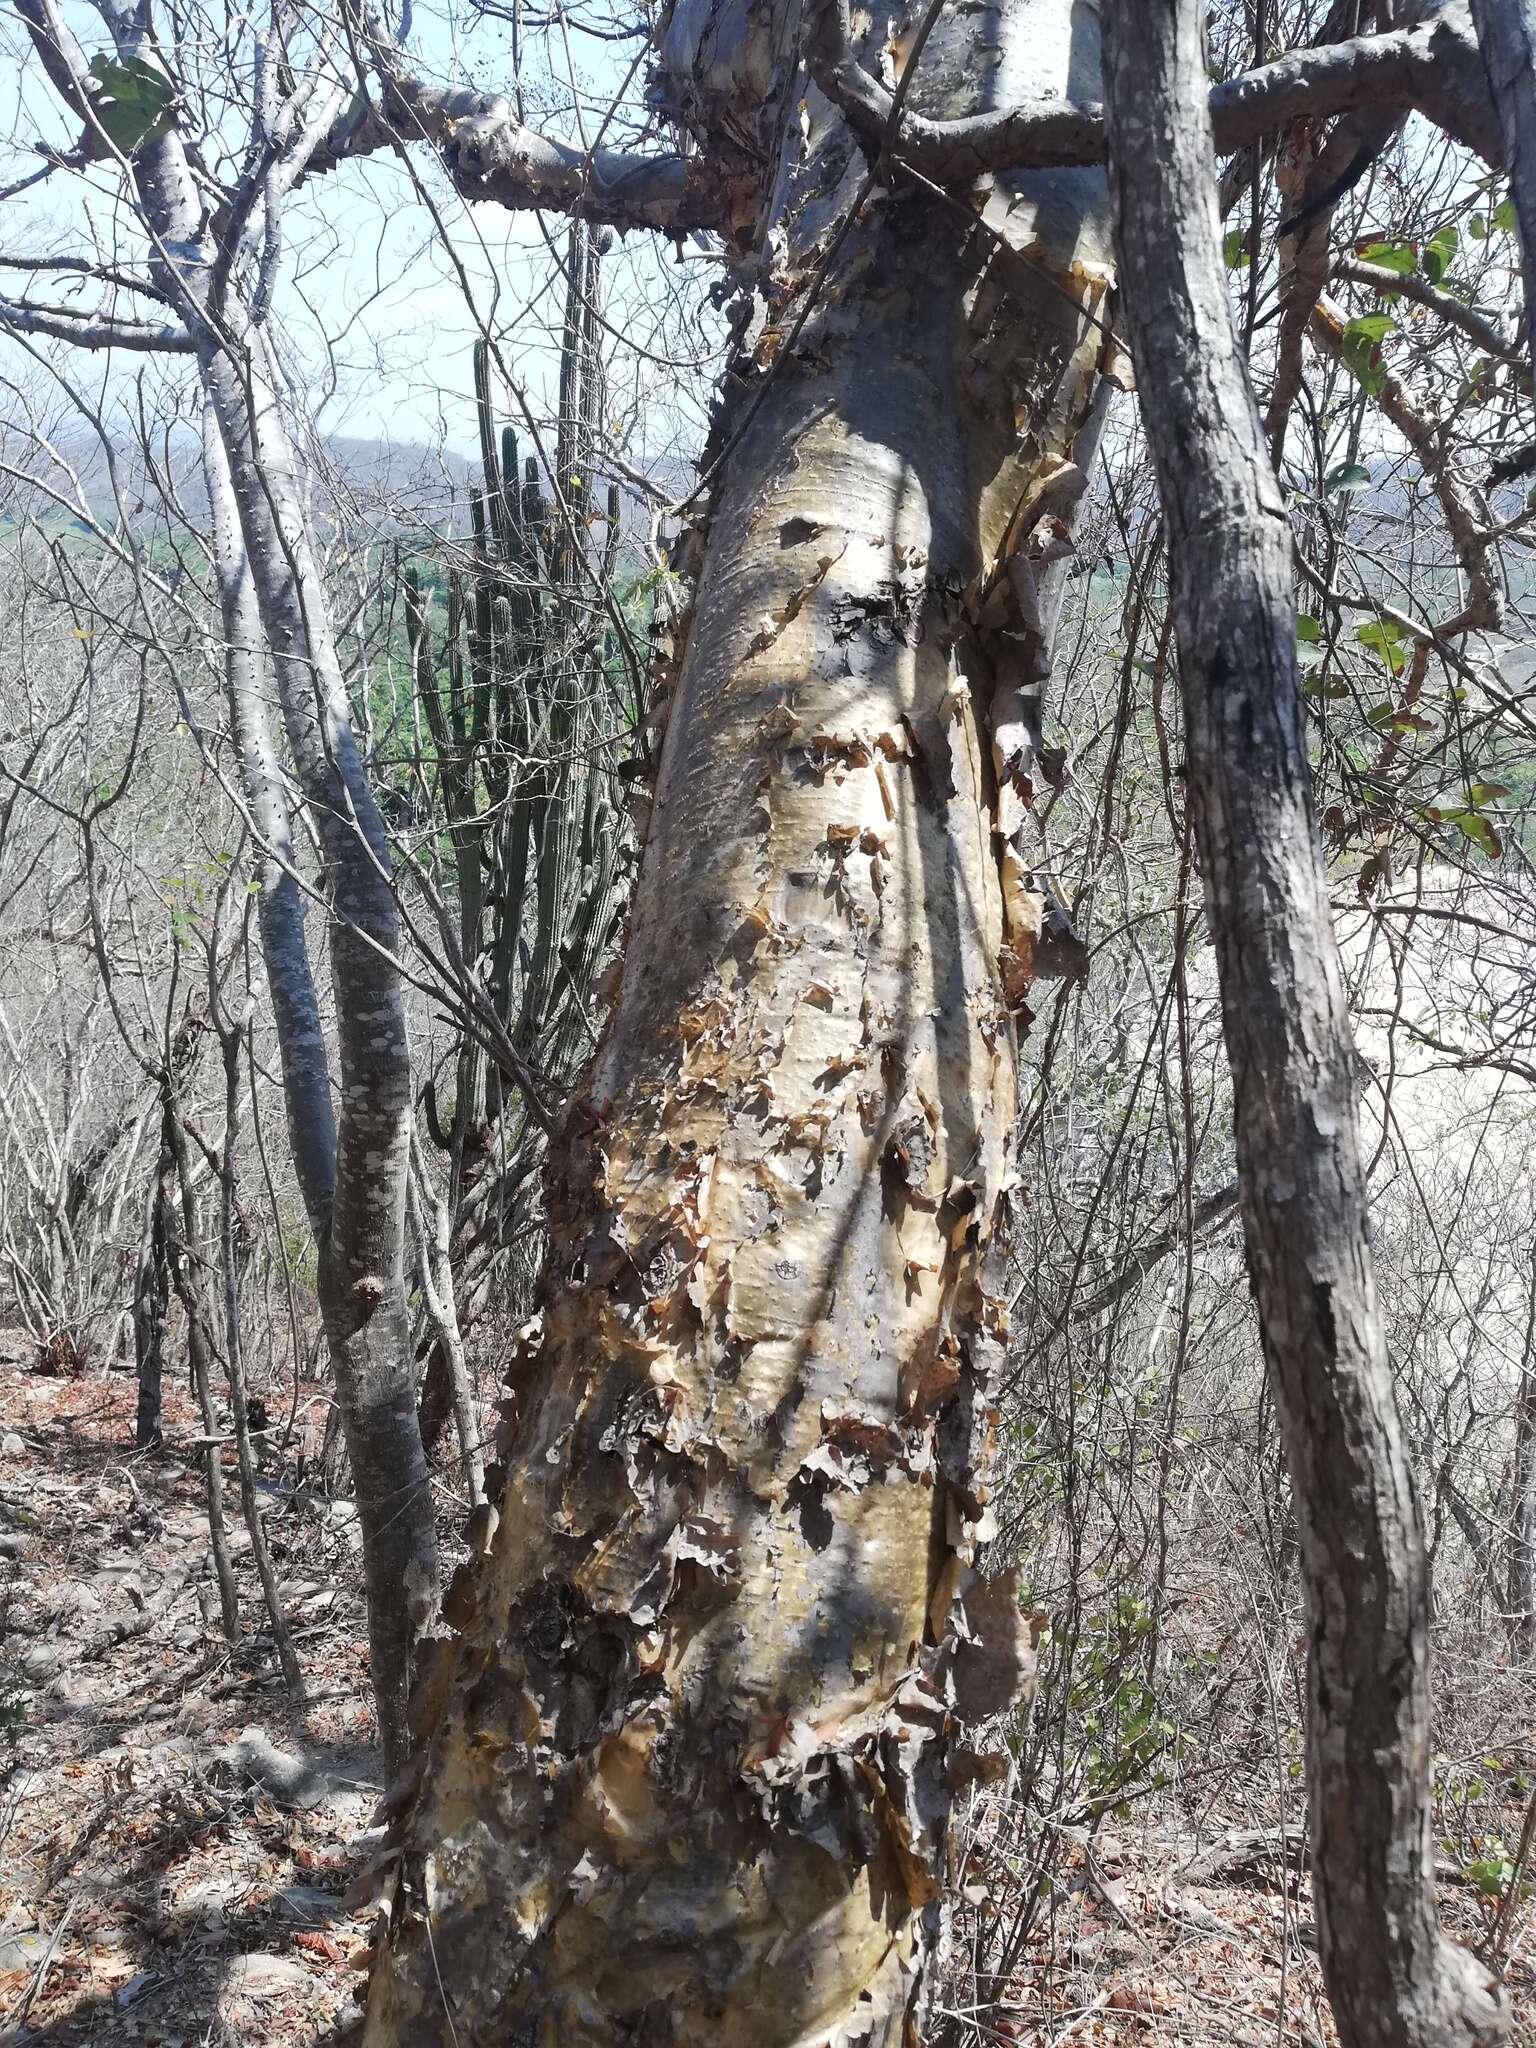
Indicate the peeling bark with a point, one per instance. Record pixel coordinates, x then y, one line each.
686 1768
1433 67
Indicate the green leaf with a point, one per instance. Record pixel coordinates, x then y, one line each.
1482 833
1348 476
1381 638
1477 228
1370 327
135 104
1488 1873
1363 339
1234 248
1396 256
1438 253
1504 216
1307 628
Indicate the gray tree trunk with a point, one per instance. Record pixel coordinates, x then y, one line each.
280 909
1506 31
360 1218
358 1207
1395 1982
1521 1578
180 1216
151 1307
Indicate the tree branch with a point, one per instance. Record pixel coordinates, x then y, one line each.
59 54
84 266
1464 518
1433 67
490 155
1324 169
1208 1210
1394 1980
1477 327
94 330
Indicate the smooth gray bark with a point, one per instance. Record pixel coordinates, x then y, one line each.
1395 1982
361 1276
280 909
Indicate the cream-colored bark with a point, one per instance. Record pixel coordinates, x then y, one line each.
687 1767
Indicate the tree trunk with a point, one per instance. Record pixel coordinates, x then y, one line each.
1506 31
1521 1600
151 1306
280 908
361 1250
428 1214
232 1043
693 1752
1393 1979
180 1216
273 598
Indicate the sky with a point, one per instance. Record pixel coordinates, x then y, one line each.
372 303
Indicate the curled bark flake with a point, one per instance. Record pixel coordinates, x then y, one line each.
991 1664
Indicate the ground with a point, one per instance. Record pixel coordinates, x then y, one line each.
177 1836
155 1891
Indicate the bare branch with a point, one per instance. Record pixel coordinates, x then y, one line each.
1214 1208
1433 67
60 55
489 154
94 330
85 266
1476 326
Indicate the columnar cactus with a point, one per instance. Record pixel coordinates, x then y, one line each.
525 703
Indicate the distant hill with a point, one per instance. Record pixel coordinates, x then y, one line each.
400 486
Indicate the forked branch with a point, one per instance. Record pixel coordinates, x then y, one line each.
1433 67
